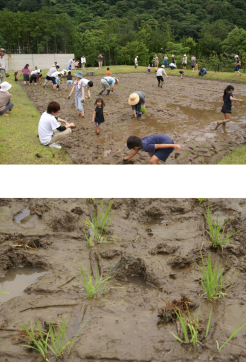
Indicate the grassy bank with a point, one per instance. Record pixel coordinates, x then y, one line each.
237 157
19 143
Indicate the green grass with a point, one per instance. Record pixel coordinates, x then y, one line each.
237 157
212 281
19 143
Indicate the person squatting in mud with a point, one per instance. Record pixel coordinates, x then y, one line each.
98 116
226 108
137 101
107 83
50 130
51 76
159 147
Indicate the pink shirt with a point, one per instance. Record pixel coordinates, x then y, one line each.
25 70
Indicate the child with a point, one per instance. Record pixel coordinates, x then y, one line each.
69 80
16 76
58 81
108 73
76 63
181 74
156 68
226 108
238 65
78 93
97 116
196 67
137 101
149 68
159 147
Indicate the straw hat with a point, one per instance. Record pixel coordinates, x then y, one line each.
133 99
184 55
163 66
117 80
5 86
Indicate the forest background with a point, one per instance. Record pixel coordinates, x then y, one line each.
212 30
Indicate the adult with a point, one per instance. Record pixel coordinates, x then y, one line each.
202 72
26 73
50 130
86 84
184 61
107 84
193 62
238 65
70 63
159 75
136 61
83 61
5 97
100 60
137 101
2 65
172 66
156 61
158 146
35 76
49 76
166 61
173 59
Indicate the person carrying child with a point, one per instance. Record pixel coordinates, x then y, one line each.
137 101
98 116
69 80
226 108
159 147
159 75
108 74
16 76
50 130
78 93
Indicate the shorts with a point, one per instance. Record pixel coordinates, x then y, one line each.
97 124
192 66
33 77
50 79
184 64
69 82
237 68
26 77
148 70
225 109
79 104
160 78
180 72
163 153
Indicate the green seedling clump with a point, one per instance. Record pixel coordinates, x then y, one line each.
213 282
216 231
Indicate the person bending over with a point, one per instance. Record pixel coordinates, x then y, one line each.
50 130
159 147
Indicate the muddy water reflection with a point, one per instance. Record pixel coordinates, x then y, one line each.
22 216
17 280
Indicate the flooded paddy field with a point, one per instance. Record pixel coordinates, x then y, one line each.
153 262
187 110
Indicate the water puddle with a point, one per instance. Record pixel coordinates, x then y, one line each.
23 216
17 280
140 282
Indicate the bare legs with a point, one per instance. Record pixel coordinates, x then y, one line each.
227 118
153 159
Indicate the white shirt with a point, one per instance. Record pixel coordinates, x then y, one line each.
51 71
47 125
2 63
160 71
84 82
172 65
34 72
55 74
136 60
83 60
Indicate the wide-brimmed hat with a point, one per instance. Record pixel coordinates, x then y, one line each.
5 86
236 56
117 80
79 74
184 55
133 99
163 66
2 50
172 55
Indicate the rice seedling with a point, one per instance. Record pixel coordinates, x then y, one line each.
212 282
4 293
40 343
92 285
201 201
216 231
236 330
190 327
100 226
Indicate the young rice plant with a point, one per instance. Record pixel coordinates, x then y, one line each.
212 281
216 231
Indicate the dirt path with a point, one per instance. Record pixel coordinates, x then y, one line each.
158 242
185 110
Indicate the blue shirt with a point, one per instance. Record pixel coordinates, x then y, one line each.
57 80
149 142
110 80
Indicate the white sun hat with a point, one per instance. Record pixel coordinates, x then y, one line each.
5 86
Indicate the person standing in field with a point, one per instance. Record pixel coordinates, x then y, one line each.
184 61
26 73
100 60
76 63
193 62
108 74
83 61
159 147
77 86
69 80
166 61
238 65
2 65
226 108
98 116
159 75
156 61
70 63
136 61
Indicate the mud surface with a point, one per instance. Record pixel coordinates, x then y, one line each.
185 110
158 242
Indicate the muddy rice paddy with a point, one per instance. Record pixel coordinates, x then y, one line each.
153 262
187 110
